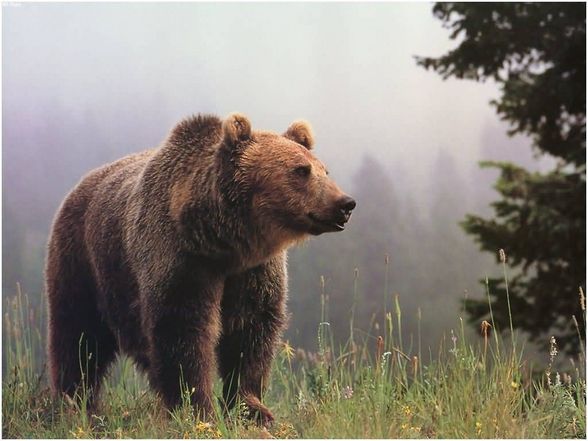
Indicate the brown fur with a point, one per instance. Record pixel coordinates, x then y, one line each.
177 257
300 132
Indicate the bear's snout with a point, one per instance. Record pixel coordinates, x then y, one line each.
346 204
335 218
343 208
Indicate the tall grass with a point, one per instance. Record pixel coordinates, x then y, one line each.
370 387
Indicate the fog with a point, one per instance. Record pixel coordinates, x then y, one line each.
84 84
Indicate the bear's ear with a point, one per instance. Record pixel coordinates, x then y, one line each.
300 132
236 129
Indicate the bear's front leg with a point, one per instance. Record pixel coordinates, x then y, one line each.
253 317
183 322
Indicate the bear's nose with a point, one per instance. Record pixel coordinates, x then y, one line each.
346 204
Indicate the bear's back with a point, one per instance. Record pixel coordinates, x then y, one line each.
88 223
98 186
111 187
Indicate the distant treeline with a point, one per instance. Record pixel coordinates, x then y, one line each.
398 243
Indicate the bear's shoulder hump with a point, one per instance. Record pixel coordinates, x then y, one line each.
200 130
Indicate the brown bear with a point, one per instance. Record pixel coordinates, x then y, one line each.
177 257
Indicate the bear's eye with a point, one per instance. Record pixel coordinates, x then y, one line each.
303 171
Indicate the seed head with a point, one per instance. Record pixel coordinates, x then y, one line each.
379 346
582 300
557 379
552 348
347 392
287 350
485 328
454 340
502 255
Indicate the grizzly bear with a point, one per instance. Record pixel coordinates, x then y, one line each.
176 257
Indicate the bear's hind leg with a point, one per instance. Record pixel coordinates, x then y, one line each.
81 346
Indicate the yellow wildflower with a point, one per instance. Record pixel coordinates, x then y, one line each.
478 427
79 433
285 430
202 430
287 350
201 426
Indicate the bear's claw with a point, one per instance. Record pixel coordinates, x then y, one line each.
258 412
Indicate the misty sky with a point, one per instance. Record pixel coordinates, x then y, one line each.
348 68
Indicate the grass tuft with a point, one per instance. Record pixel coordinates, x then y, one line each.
370 387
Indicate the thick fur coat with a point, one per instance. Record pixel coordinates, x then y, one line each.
177 257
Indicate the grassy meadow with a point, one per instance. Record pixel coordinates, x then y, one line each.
371 387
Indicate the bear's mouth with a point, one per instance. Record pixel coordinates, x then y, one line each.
330 225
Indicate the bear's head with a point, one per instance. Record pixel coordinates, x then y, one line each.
290 188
